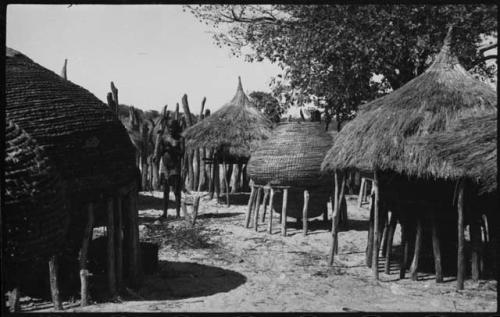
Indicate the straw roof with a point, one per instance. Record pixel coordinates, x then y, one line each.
235 129
292 156
35 220
384 132
87 142
468 150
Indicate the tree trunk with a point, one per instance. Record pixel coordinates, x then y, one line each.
234 179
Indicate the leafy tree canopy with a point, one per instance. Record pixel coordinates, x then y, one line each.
269 105
331 52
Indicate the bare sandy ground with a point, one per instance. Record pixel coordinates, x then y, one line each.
242 270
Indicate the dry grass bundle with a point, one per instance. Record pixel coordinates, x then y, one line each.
34 216
235 129
87 142
292 156
386 131
468 149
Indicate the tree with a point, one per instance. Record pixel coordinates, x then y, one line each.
332 51
269 105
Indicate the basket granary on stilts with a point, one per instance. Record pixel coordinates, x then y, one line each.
287 168
35 219
93 154
384 138
230 134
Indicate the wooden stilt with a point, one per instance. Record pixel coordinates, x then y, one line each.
111 249
484 225
475 236
271 200
283 212
217 184
335 215
84 273
250 205
14 296
369 243
264 202
436 248
257 209
54 285
376 225
224 172
385 232
418 246
196 205
361 191
461 238
119 241
134 264
404 247
304 212
390 237
211 180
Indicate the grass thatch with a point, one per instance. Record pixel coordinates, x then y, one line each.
386 131
468 150
292 156
235 129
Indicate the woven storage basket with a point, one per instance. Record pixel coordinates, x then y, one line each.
88 144
292 156
34 216
318 199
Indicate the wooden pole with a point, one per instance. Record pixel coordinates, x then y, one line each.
84 273
271 200
54 285
249 209
369 243
257 209
64 73
304 212
404 247
475 237
335 216
264 202
134 264
196 205
361 192
226 183
114 91
111 248
119 241
436 248
461 237
376 226
418 246
390 237
283 212
217 184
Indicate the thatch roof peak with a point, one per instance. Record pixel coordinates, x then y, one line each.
240 98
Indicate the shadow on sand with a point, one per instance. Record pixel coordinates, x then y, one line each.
237 199
176 280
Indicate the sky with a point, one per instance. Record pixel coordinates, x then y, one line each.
153 53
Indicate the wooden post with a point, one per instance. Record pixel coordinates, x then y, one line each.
250 205
217 184
264 202
196 205
376 226
271 200
385 232
418 246
475 237
111 248
54 285
235 184
404 247
283 212
436 248
134 264
119 241
84 273
390 238
361 191
369 243
461 237
257 209
304 212
114 91
224 173
64 73
14 296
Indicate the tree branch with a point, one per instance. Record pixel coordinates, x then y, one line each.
487 48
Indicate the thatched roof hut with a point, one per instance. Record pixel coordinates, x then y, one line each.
469 149
383 135
87 142
35 219
234 130
292 157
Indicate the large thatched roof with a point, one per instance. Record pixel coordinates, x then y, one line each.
383 134
86 141
235 129
469 149
35 219
292 156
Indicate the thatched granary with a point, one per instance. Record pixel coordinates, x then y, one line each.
385 138
292 157
233 131
93 154
35 218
